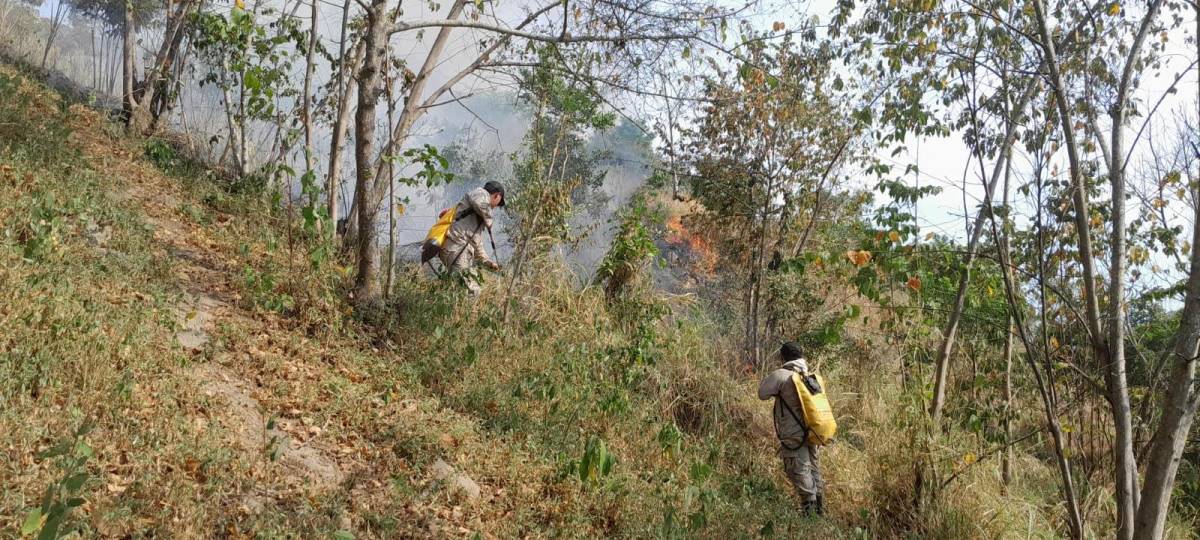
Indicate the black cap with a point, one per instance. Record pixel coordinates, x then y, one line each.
791 351
495 187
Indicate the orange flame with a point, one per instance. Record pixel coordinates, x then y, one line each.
705 261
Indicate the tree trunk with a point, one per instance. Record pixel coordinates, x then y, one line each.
1115 376
128 103
56 21
759 277
671 144
243 148
414 106
391 180
306 108
115 65
1179 410
1007 463
341 123
1049 409
1126 473
1002 244
95 65
964 280
140 114
112 70
366 280
368 190
157 93
1078 189
1181 400
233 126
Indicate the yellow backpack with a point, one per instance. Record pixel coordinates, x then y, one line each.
818 414
437 234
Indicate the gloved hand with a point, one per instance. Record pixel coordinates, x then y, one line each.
493 266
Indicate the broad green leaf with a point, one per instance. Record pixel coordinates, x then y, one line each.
251 81
53 521
75 481
33 521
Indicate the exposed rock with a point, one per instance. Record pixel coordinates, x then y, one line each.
98 236
244 420
195 315
306 461
455 480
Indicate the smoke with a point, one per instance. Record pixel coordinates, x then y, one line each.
483 117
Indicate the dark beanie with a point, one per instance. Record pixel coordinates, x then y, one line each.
791 351
493 187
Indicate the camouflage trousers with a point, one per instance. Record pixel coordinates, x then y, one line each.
803 472
462 266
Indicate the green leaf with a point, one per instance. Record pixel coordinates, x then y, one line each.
48 498
55 451
88 424
33 520
74 482
251 81
53 521
343 535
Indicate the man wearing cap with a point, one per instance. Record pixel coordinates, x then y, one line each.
799 457
464 240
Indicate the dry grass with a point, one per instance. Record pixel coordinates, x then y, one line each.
96 339
90 327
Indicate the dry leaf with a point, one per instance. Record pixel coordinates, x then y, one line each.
859 258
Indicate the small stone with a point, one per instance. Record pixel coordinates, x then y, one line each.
457 481
441 470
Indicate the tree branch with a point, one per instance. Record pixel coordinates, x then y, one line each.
544 38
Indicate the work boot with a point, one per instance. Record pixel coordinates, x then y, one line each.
821 504
812 508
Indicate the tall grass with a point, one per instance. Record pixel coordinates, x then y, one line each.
580 416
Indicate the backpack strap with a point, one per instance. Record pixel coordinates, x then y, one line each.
469 212
788 408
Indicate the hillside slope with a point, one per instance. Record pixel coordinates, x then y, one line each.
205 383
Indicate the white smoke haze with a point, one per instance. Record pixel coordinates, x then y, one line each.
484 116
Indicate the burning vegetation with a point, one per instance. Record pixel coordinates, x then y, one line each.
692 249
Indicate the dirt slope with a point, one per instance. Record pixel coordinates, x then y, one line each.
268 428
